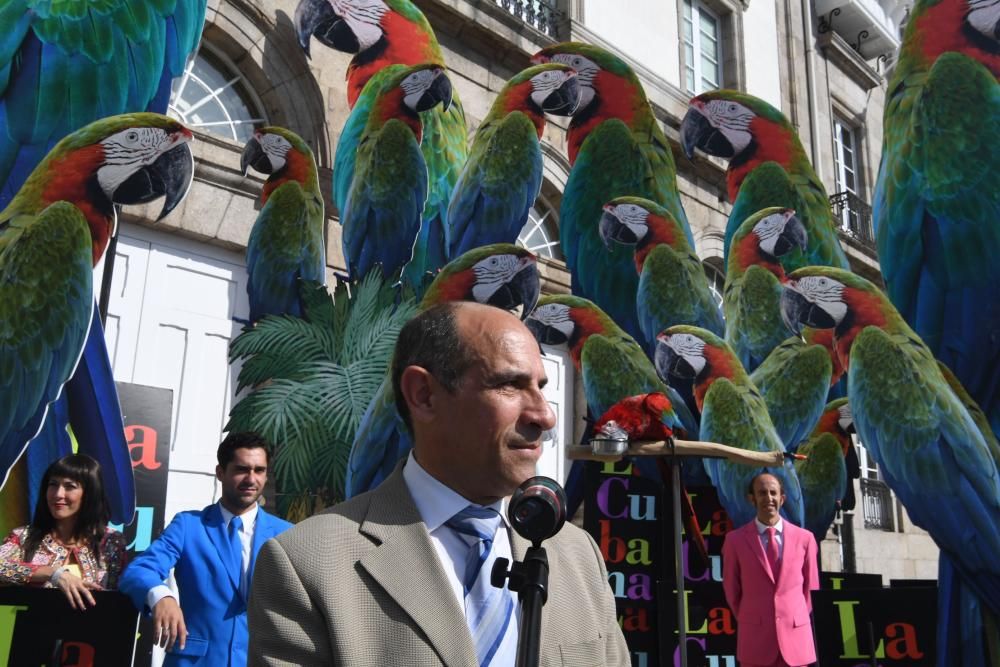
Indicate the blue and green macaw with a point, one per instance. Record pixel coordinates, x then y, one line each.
501 275
767 167
66 64
823 476
55 230
732 413
673 288
937 195
616 149
382 215
382 33
499 183
837 421
752 293
287 240
794 381
930 450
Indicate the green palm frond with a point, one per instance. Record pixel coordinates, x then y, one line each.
314 379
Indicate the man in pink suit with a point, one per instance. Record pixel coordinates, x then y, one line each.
769 568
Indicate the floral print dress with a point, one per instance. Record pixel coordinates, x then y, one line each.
15 570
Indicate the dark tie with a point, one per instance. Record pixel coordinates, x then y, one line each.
772 550
236 550
489 610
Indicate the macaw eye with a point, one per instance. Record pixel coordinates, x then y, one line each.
732 107
132 136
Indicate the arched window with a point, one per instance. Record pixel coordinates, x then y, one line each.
213 97
716 277
541 233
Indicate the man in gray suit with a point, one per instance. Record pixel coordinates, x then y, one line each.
392 577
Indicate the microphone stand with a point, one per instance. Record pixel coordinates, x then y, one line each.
530 580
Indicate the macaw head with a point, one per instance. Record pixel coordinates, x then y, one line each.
268 150
694 354
603 76
501 274
637 221
765 236
815 299
845 418
838 421
563 319
126 159
345 25
984 17
421 87
729 124
551 88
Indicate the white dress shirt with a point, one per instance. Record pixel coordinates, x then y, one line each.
157 593
778 536
437 503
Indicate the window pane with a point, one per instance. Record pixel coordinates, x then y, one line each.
541 235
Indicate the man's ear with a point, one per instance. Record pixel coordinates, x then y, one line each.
418 386
219 470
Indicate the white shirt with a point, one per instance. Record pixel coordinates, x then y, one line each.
437 503
157 593
778 536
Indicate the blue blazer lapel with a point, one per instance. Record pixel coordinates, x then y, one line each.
215 528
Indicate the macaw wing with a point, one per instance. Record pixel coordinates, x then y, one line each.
823 241
46 292
929 449
794 380
737 416
497 187
381 441
286 244
663 175
614 368
382 214
935 209
767 185
673 289
823 477
754 327
609 164
445 149
64 65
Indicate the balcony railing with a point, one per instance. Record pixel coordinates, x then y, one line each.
878 506
855 217
540 15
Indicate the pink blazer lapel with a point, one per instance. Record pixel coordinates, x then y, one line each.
753 543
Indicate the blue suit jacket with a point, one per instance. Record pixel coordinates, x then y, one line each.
195 544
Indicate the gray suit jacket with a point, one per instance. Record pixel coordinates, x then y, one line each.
361 585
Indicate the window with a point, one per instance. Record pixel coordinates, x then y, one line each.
541 234
716 277
700 28
211 96
876 497
845 151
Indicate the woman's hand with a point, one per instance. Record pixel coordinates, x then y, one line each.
76 590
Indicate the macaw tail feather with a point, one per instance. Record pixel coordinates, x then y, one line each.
966 629
96 417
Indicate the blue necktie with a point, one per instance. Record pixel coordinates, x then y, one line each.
236 550
489 610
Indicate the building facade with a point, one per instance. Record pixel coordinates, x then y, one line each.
178 291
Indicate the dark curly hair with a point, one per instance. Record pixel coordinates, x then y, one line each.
91 520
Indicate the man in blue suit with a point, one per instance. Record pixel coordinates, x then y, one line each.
213 552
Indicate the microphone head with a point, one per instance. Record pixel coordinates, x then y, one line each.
537 509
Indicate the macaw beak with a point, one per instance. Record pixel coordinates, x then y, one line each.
697 132
439 91
798 312
564 100
792 236
521 290
545 334
317 18
611 229
254 156
170 176
668 363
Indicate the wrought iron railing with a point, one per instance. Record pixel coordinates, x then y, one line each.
878 505
539 14
855 217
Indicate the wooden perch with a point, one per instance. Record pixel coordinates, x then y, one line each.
683 448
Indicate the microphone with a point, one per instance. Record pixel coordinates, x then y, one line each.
537 509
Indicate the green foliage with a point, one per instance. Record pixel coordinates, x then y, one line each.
312 380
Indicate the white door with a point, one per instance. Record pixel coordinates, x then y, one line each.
559 392
170 321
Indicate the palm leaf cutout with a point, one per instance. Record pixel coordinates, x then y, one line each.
312 381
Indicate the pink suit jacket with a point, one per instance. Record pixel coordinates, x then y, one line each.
772 616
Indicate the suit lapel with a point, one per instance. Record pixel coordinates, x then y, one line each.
215 527
261 533
407 567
